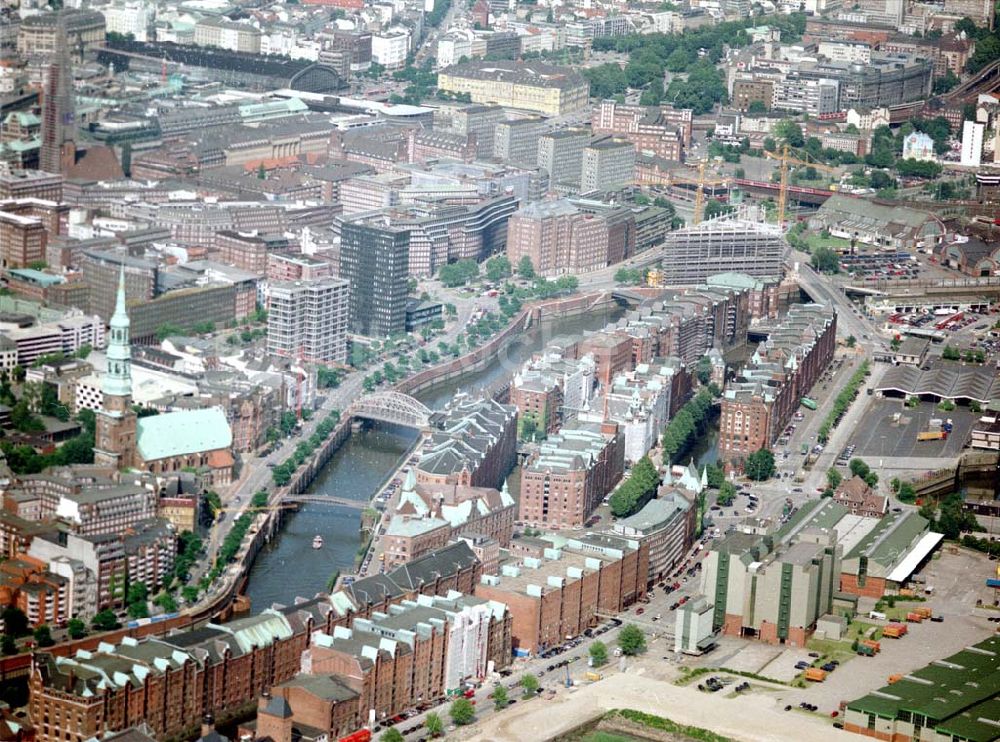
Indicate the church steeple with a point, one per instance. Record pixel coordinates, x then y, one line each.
117 381
115 436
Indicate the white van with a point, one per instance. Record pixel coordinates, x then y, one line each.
877 616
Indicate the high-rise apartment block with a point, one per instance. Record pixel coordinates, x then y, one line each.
308 319
608 165
374 258
561 154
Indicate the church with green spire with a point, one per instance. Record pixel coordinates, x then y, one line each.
115 438
187 439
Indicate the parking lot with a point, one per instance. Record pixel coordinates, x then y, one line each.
881 266
882 436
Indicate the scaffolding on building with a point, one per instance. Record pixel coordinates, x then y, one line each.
721 245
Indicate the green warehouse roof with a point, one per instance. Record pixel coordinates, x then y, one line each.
890 539
959 695
182 433
824 513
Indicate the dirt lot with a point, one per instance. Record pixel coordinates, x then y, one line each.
752 718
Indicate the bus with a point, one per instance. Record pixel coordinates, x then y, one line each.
808 403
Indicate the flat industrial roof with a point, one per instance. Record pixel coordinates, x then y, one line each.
922 548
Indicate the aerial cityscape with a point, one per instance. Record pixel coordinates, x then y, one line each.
572 370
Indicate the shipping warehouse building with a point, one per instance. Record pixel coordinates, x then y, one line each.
955 698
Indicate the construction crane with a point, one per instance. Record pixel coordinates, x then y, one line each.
785 160
699 195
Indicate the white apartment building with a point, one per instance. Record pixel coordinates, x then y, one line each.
390 49
814 97
308 319
130 18
452 47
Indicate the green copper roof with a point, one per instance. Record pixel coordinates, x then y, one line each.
184 432
35 276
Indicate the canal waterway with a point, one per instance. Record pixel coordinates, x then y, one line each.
289 567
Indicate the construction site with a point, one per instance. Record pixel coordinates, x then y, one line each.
693 254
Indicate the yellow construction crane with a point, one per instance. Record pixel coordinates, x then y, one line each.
699 195
785 160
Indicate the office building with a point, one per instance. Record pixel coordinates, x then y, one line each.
222 33
129 18
814 97
560 153
22 240
390 49
566 236
564 481
442 233
49 34
662 131
31 184
248 251
93 510
374 258
557 587
515 142
528 86
480 121
972 143
58 152
608 165
308 319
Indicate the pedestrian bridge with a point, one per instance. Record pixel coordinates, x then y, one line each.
325 500
392 407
